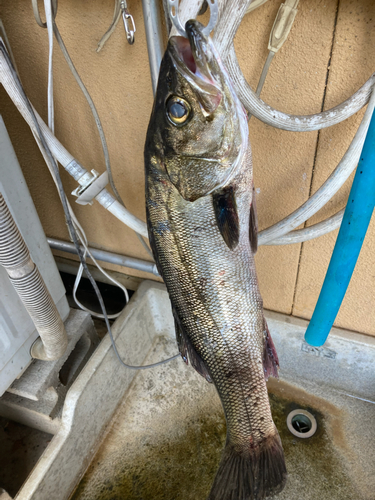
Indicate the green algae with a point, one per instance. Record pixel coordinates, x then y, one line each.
165 470
183 468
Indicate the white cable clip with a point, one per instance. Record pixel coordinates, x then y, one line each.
90 190
175 18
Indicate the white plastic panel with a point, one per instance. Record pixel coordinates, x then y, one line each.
17 331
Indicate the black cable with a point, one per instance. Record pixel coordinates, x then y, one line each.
68 219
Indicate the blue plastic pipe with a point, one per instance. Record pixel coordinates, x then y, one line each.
349 241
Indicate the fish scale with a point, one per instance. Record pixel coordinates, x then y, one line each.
199 235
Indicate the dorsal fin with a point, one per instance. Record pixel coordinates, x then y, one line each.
225 207
253 224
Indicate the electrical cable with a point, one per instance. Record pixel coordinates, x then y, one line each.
112 27
99 126
38 19
49 22
69 221
263 76
279 33
80 231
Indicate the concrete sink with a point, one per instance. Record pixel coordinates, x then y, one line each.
165 439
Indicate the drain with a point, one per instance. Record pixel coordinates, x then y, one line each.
301 423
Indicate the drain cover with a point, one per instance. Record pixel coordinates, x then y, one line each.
301 423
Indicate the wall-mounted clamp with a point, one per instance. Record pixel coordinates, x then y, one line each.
90 190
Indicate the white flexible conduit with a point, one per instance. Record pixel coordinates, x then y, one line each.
310 232
29 284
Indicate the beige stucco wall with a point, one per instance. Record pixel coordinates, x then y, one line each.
286 165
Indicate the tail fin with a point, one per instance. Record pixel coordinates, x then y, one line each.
250 475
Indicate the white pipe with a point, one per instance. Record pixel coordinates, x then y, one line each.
121 213
104 256
295 123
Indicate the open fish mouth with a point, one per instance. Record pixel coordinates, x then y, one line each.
194 58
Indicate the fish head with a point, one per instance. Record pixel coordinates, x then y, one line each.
198 123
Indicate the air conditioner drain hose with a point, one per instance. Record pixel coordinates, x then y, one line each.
30 286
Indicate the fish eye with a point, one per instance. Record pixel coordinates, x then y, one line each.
178 110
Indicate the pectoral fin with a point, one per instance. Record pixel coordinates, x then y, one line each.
253 225
225 206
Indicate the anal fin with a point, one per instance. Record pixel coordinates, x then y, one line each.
270 358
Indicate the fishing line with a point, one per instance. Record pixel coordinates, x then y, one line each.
69 222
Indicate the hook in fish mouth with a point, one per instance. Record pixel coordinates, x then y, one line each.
195 60
172 6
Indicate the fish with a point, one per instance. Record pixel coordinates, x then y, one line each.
201 220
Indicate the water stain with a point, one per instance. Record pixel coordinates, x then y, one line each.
183 468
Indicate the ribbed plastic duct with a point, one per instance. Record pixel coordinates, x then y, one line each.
29 284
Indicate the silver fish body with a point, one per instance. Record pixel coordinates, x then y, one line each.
198 200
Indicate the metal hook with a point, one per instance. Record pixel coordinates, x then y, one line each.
214 13
128 22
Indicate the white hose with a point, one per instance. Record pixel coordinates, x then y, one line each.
230 17
121 213
310 232
295 123
328 189
28 283
62 155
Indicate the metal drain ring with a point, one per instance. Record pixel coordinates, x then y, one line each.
308 416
